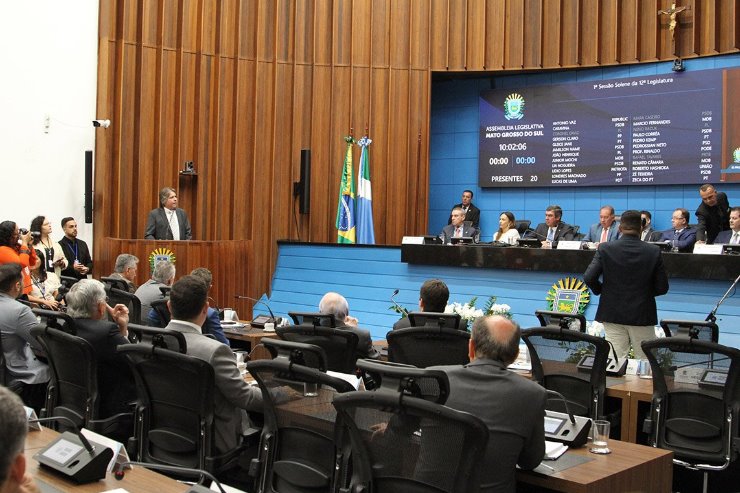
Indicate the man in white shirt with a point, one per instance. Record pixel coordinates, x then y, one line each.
167 222
731 236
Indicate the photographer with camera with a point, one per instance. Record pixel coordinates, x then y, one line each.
16 248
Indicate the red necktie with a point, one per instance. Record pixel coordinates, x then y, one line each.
604 234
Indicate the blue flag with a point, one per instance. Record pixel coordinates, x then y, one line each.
365 227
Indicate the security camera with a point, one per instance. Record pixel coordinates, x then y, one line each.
101 123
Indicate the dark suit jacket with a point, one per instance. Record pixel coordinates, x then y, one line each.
685 241
232 393
449 230
648 234
512 407
116 385
594 232
714 219
628 274
472 215
365 347
564 231
158 228
83 257
723 237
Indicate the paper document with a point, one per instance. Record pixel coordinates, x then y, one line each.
553 450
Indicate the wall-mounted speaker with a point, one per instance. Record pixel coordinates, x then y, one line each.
302 189
88 187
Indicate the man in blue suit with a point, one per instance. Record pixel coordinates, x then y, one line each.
606 229
732 235
681 236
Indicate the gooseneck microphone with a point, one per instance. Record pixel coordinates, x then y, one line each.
529 233
711 317
256 301
185 471
88 446
565 403
399 308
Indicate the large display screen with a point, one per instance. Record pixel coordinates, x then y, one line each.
652 130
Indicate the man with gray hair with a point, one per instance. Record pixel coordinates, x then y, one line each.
86 303
512 407
167 222
162 276
336 304
125 270
13 429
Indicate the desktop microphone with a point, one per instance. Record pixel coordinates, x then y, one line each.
711 317
399 308
272 315
534 233
66 456
186 471
615 369
565 427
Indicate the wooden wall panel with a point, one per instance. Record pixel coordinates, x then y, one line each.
241 86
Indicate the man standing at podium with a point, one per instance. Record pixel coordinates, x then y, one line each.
628 274
167 222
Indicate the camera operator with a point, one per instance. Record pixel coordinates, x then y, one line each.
44 288
15 248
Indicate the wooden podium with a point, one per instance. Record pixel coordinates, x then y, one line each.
227 260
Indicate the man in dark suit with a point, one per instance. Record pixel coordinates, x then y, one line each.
336 304
167 222
512 407
681 237
732 235
553 229
646 232
457 229
86 304
606 229
628 274
79 262
713 214
189 306
433 297
472 213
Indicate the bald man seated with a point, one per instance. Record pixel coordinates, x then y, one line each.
335 304
512 407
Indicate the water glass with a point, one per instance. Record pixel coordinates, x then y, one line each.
643 369
600 442
310 389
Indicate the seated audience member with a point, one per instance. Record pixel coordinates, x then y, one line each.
167 222
507 232
55 261
553 229
125 269
433 297
606 229
336 304
712 214
472 213
189 307
44 289
16 248
26 375
681 237
13 429
86 304
647 233
162 276
512 407
212 324
79 262
457 229
732 235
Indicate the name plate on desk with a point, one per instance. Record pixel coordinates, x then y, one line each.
688 375
412 240
704 249
568 245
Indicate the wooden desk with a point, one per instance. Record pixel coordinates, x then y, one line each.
629 467
253 336
136 479
631 390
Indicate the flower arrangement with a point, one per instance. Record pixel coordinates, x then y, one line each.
469 312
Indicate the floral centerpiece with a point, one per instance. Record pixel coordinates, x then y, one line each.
469 312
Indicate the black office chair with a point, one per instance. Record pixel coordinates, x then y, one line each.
421 383
339 345
556 320
160 306
522 225
297 450
57 320
697 329
405 444
158 337
131 301
427 346
697 421
571 363
435 319
298 353
313 318
73 389
113 282
175 410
